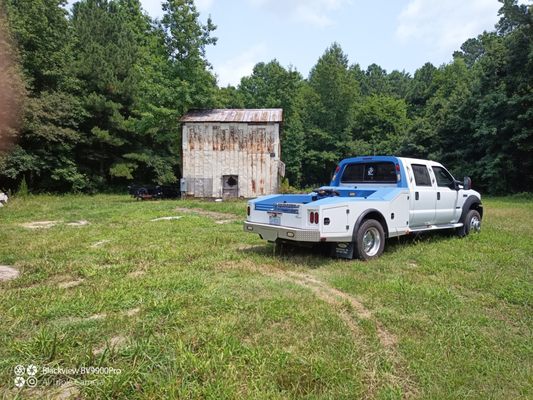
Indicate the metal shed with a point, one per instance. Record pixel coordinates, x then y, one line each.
231 152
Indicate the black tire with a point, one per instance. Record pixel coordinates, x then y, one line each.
369 240
472 223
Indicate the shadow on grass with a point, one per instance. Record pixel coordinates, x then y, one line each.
398 243
321 254
310 256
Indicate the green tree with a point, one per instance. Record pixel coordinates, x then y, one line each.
379 126
375 81
272 86
329 100
504 120
52 112
109 38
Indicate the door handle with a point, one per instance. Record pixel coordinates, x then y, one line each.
438 195
416 195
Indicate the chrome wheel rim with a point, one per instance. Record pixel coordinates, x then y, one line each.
475 224
371 241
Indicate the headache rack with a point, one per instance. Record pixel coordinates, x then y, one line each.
287 208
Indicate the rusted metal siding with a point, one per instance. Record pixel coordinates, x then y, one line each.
262 115
212 150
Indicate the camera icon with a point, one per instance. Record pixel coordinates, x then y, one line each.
31 381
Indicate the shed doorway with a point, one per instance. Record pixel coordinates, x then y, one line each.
230 185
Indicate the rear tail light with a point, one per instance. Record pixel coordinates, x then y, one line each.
313 217
248 210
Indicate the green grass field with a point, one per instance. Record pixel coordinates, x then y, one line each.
195 308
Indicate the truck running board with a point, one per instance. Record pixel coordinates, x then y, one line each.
434 227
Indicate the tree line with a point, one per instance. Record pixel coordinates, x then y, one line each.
104 86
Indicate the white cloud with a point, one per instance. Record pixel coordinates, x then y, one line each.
314 12
232 70
445 25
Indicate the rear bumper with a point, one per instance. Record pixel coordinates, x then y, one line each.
273 232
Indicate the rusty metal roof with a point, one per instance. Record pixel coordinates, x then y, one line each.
234 115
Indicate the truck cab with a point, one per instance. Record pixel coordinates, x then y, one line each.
369 200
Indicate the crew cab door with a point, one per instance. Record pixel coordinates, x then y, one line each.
423 197
447 197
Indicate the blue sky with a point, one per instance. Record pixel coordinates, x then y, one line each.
396 34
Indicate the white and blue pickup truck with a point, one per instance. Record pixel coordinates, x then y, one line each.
369 200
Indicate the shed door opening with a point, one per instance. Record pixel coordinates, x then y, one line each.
230 185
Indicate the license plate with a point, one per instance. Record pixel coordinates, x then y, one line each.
274 219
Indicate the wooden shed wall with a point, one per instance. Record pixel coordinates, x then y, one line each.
212 150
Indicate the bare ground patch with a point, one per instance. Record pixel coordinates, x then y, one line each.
76 320
241 246
70 284
67 391
167 218
220 218
132 312
115 343
246 265
78 223
100 243
7 273
225 221
39 224
136 274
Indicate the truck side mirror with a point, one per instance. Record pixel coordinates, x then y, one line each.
467 183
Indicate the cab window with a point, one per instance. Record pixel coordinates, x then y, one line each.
421 175
444 179
382 172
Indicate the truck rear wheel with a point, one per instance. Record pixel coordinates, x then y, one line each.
369 240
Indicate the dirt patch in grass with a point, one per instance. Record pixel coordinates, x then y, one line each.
67 284
136 274
75 320
7 273
221 218
242 247
96 317
67 391
39 224
132 312
100 243
78 223
105 266
115 343
246 265
166 218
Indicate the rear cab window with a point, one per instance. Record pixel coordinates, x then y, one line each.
421 174
370 172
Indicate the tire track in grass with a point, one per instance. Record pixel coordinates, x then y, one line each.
399 377
219 217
